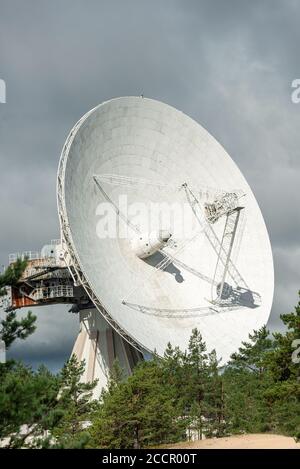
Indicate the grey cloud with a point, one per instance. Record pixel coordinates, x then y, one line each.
52 342
227 64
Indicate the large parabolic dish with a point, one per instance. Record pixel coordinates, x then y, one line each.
211 268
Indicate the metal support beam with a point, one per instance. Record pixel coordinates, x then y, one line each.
223 260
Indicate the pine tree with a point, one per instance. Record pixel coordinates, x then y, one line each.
28 405
11 327
116 375
174 374
75 397
138 412
215 399
262 382
283 395
246 378
280 361
252 355
12 275
196 378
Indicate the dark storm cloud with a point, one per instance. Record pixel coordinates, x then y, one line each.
227 64
53 341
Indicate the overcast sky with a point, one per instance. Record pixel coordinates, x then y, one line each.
228 64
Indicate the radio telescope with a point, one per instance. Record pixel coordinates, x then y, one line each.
160 234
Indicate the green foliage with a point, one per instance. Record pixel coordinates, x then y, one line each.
75 397
262 382
216 423
12 274
116 375
13 328
28 404
252 355
163 399
281 365
137 412
258 391
42 410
